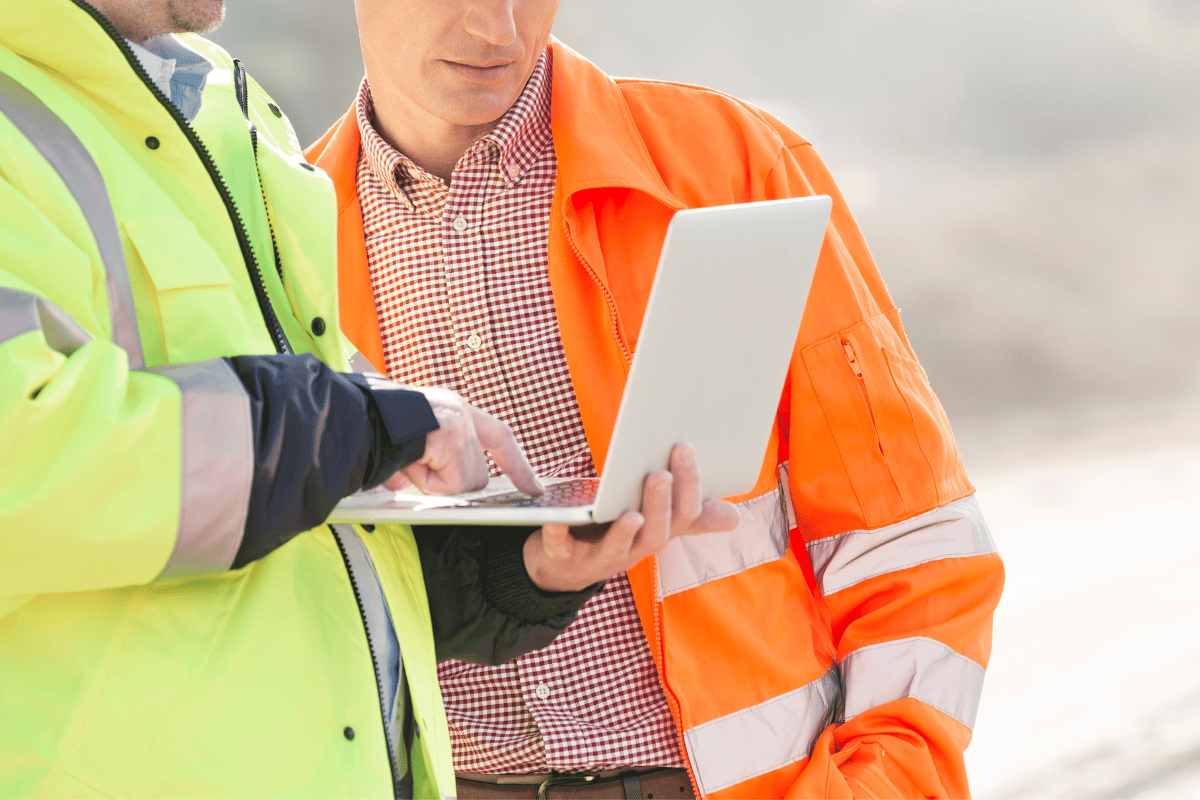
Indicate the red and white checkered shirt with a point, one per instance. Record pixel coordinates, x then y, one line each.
460 281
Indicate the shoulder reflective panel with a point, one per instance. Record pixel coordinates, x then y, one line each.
217 471
955 530
22 312
762 738
921 668
71 160
761 536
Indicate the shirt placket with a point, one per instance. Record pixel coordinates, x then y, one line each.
542 692
436 286
466 263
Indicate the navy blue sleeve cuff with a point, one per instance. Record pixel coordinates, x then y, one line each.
403 415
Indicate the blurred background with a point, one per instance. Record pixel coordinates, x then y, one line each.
1027 174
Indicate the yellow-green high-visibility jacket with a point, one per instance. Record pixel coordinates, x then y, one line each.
123 672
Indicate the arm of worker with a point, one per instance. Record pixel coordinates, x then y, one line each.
321 435
495 594
900 552
113 477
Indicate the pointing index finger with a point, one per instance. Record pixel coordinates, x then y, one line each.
497 438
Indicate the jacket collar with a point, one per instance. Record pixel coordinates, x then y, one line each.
70 38
591 156
336 152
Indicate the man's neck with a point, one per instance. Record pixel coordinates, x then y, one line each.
432 144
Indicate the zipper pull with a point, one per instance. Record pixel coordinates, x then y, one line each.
852 358
243 98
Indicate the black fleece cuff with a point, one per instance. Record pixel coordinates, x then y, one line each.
509 588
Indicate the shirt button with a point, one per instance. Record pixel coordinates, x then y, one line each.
460 224
513 171
474 342
542 691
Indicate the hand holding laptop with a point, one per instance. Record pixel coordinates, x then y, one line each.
454 460
562 559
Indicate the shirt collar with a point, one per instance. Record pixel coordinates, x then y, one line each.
158 68
524 130
515 143
178 71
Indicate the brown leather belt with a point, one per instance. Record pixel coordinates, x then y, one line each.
657 784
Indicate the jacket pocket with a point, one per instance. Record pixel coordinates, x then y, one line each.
197 307
890 430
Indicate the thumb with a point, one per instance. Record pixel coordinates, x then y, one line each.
557 542
716 515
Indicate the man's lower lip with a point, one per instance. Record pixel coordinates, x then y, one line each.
480 73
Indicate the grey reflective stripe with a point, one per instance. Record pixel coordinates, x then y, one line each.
955 530
921 668
764 737
216 471
761 536
381 636
74 165
22 312
217 465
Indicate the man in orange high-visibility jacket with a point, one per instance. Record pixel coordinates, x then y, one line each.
836 646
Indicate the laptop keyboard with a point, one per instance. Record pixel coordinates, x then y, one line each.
579 492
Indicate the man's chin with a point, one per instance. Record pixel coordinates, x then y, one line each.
197 16
479 111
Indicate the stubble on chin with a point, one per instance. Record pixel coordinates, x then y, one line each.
196 16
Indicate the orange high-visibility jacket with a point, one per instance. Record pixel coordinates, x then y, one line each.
834 645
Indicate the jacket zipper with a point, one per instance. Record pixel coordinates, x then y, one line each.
243 94
856 367
383 712
612 306
239 227
668 692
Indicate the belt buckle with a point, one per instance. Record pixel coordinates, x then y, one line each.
572 779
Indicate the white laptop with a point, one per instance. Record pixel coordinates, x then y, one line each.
711 360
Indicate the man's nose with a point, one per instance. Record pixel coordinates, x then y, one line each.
492 21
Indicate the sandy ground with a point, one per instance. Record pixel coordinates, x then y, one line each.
1094 686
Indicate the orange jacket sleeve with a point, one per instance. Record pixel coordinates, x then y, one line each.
878 490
